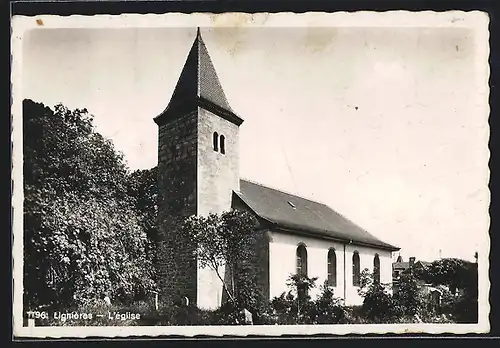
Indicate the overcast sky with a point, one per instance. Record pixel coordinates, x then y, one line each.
384 125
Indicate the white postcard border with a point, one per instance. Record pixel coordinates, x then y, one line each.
20 24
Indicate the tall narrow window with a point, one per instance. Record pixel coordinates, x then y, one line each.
222 144
332 268
301 260
356 272
376 269
216 141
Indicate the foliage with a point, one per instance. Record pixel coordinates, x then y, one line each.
455 274
409 296
230 240
329 309
365 282
82 238
297 307
378 304
142 188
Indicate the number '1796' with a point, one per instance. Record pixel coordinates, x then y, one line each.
37 315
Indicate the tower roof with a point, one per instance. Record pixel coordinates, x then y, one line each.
198 85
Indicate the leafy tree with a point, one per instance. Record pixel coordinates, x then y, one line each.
378 303
453 272
81 234
456 274
329 309
409 296
230 240
142 187
296 306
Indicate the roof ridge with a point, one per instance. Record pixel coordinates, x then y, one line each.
283 191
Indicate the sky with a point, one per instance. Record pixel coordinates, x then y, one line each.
385 125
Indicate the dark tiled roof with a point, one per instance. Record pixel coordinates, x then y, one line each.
209 84
406 265
296 213
401 265
198 83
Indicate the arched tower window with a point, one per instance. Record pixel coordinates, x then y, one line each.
222 144
332 268
356 271
376 269
216 141
302 260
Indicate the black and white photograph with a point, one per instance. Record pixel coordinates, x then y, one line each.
237 174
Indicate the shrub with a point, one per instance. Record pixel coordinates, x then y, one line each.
295 306
409 296
379 306
186 316
329 309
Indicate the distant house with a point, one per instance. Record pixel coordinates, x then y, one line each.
400 266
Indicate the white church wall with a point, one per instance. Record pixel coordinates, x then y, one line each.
366 256
282 263
210 288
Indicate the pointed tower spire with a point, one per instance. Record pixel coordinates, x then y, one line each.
198 86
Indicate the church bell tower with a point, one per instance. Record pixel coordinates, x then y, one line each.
198 169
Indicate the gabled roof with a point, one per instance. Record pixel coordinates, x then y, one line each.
406 265
401 265
425 263
198 85
294 213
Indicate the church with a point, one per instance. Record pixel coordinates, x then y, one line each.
198 173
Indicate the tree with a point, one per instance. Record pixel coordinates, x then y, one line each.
142 187
296 305
378 303
409 296
329 309
229 241
82 237
453 272
93 247
456 274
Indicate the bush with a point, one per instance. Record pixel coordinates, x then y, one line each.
295 306
329 309
409 296
186 315
379 305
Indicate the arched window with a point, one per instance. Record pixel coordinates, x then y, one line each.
302 260
376 269
332 268
356 271
222 144
216 141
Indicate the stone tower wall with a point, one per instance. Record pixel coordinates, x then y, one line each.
177 192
